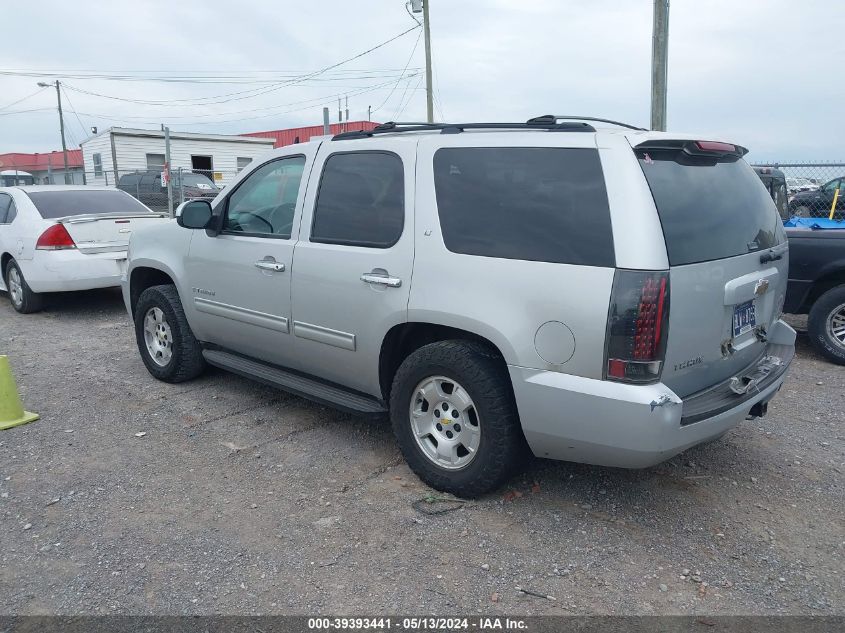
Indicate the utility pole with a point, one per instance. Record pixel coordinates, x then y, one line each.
326 126
167 170
659 64
416 7
61 123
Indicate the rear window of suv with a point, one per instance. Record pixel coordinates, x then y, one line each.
529 203
709 209
61 204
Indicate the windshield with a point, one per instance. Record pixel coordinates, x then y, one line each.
60 204
196 180
709 209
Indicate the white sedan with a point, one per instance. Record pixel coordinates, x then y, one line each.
61 238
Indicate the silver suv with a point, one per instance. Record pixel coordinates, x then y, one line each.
585 291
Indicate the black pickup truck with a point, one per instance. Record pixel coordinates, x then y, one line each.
817 287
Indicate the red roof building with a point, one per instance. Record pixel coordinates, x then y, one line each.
302 134
41 162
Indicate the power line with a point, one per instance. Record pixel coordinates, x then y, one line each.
25 111
240 95
402 109
408 63
39 91
311 103
72 109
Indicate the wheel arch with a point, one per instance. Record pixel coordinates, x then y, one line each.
5 258
145 276
831 279
405 338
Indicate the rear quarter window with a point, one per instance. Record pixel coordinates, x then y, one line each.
535 204
709 209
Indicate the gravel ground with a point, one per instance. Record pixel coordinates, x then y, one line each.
240 499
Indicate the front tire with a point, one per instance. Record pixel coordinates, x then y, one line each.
455 419
826 325
23 299
802 211
167 345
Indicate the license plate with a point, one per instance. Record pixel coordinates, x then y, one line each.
745 318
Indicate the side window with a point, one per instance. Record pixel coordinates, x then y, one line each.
5 204
264 203
361 200
155 161
831 186
12 214
98 164
532 203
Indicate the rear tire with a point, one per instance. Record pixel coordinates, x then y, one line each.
459 394
802 211
23 299
826 325
167 345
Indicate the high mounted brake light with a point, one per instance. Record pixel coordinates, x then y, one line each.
55 238
637 326
716 146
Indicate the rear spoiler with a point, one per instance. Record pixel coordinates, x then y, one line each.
93 217
704 149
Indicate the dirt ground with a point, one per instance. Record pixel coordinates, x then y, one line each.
240 499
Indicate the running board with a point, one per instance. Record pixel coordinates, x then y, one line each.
297 384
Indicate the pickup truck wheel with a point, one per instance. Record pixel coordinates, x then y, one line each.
20 294
167 345
802 211
455 419
826 325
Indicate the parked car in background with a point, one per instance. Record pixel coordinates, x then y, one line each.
817 284
15 177
57 238
605 295
796 185
147 187
774 180
818 203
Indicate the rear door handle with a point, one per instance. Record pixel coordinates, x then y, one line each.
265 264
381 280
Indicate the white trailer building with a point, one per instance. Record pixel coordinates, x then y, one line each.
114 152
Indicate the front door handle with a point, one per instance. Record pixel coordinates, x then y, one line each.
381 280
266 264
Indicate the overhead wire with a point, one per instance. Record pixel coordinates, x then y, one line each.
72 109
39 91
401 76
240 95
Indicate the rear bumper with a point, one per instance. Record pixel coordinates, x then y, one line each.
68 270
613 424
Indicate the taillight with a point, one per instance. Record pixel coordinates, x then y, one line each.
637 326
55 238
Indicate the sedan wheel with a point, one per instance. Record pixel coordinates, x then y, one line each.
15 285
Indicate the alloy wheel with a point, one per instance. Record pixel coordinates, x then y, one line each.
836 325
158 337
15 284
445 422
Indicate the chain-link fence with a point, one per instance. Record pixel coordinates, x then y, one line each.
150 185
812 189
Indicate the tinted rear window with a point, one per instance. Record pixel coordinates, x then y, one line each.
536 204
60 204
709 210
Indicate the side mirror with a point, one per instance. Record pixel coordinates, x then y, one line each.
194 214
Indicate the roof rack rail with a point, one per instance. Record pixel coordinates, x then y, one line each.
547 119
456 128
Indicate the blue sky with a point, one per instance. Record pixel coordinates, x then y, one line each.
764 73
